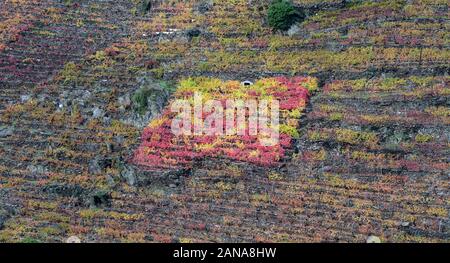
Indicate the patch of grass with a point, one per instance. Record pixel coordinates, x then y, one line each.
29 240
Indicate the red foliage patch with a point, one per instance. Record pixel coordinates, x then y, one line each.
160 148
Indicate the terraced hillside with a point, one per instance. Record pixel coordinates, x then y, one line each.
368 154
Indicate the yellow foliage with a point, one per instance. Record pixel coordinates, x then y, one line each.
423 138
273 176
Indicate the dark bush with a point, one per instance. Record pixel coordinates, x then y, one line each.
282 14
146 6
193 32
151 64
140 99
157 94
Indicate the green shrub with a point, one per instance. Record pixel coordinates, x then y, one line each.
169 86
146 6
141 97
29 240
282 15
70 73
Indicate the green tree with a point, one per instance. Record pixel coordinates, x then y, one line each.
282 14
146 6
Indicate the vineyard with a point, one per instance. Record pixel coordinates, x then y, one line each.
87 149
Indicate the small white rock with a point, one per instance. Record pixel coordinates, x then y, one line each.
405 224
25 98
373 239
97 113
247 83
73 239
